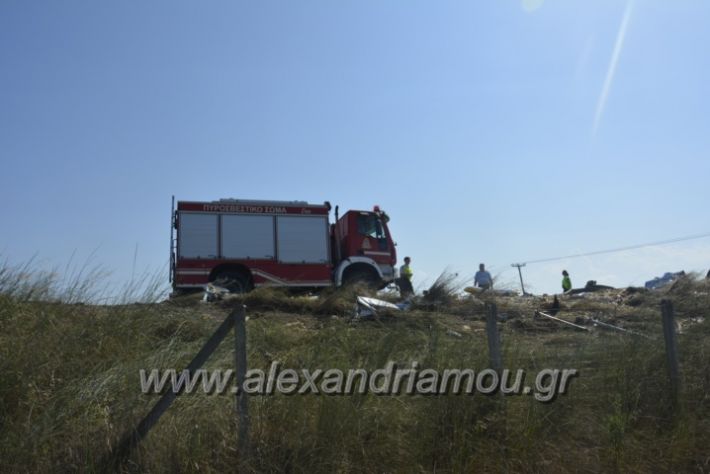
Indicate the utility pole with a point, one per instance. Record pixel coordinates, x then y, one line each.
520 274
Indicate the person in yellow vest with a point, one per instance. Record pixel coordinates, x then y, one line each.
566 282
405 278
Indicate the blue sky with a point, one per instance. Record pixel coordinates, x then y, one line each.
495 132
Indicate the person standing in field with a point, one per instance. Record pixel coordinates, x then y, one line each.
483 279
405 278
566 282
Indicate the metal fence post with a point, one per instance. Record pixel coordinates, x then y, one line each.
242 399
669 334
131 439
493 337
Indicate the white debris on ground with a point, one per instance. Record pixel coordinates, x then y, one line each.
367 306
214 293
682 326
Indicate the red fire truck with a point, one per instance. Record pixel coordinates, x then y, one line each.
241 244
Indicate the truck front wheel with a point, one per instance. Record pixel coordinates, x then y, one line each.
234 282
366 277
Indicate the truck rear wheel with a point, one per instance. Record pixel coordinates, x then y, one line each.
234 282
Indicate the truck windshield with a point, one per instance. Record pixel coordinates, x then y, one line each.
371 226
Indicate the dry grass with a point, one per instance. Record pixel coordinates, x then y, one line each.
69 387
445 290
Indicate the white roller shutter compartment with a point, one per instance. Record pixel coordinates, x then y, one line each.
302 239
247 237
198 235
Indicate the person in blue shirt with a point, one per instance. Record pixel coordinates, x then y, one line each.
483 279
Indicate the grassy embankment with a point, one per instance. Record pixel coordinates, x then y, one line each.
69 386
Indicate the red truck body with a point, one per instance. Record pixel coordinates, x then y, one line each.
242 244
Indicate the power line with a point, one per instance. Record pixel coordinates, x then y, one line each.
622 249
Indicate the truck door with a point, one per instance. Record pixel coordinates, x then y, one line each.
372 239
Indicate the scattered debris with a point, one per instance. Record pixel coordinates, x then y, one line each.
660 282
617 328
474 290
214 293
554 306
366 306
540 313
296 325
683 325
590 287
582 321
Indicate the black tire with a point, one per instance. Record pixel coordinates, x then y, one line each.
365 277
235 282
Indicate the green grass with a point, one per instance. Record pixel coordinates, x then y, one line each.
69 388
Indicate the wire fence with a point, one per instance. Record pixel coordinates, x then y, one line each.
602 353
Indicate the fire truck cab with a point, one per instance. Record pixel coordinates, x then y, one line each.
243 244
